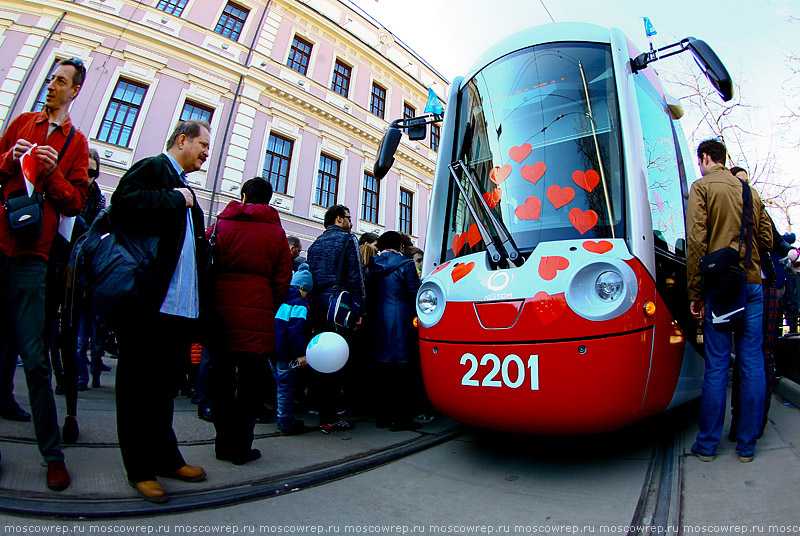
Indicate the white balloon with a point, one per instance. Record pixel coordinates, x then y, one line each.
327 352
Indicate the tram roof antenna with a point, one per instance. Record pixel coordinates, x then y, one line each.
547 10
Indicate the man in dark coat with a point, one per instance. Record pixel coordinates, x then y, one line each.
255 268
323 261
392 284
154 199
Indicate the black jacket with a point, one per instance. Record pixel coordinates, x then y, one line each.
323 259
146 203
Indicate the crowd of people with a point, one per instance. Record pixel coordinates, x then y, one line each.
227 305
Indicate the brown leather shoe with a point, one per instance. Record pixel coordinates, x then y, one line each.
151 491
57 475
187 473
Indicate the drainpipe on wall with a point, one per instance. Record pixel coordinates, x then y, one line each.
31 68
222 151
233 110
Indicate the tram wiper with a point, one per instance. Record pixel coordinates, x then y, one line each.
510 250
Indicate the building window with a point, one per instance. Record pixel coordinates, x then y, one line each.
42 97
406 205
121 114
436 132
341 78
276 163
327 181
377 104
173 7
299 55
409 111
369 205
192 110
231 22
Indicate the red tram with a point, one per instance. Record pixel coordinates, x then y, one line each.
554 292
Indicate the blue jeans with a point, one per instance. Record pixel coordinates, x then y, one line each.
718 346
284 387
88 334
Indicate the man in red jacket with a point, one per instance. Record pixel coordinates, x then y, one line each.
59 175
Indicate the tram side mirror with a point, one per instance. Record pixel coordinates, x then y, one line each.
386 150
417 129
712 67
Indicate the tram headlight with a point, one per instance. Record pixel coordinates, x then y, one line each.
609 286
427 301
602 289
431 303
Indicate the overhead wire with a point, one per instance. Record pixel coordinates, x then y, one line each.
547 10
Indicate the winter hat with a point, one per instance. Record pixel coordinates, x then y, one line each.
790 238
302 278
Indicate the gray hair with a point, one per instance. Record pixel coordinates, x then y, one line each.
190 129
94 155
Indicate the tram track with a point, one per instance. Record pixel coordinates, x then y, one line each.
659 507
87 508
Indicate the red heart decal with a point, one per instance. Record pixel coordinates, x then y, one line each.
441 267
560 196
518 153
547 307
530 210
582 221
598 247
533 173
493 197
587 180
28 164
549 267
473 235
460 270
458 242
499 174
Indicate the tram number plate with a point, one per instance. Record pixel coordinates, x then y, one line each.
510 371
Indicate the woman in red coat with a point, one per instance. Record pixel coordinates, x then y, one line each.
255 268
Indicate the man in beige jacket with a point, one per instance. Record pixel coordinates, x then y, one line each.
714 222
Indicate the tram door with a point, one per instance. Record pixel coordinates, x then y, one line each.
666 184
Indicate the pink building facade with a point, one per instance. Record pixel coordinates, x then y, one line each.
297 91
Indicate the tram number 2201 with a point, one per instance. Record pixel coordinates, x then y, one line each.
510 371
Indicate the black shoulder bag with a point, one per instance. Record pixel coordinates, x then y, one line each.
724 281
25 213
343 312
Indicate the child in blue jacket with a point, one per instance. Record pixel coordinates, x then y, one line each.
292 333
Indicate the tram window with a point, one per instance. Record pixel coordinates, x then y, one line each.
539 131
663 177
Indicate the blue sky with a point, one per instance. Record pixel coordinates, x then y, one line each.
753 39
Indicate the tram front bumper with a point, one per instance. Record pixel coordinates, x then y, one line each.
550 388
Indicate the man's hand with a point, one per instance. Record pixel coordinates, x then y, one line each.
358 323
20 148
302 362
698 310
187 194
47 157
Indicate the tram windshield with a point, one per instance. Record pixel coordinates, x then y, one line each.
539 131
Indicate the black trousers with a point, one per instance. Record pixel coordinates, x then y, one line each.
238 380
153 350
394 401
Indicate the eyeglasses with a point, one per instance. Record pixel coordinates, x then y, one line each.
78 64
